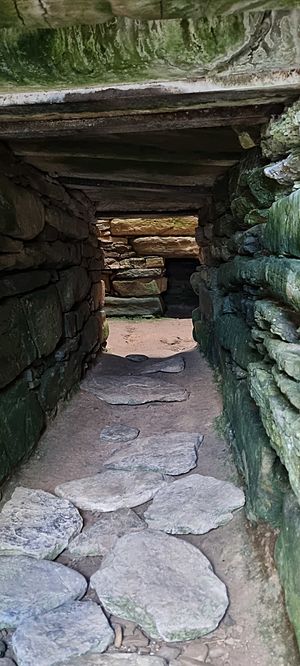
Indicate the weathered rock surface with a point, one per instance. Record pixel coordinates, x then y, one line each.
38 524
71 631
280 321
140 286
194 505
168 453
282 231
111 490
167 226
167 246
165 585
280 419
172 364
98 539
133 390
118 433
235 335
287 556
289 387
30 587
286 355
116 306
115 659
137 358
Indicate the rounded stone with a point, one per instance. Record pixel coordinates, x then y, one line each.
165 585
118 433
30 587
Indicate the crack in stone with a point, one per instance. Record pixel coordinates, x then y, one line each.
18 12
45 12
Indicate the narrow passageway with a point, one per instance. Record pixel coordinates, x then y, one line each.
254 630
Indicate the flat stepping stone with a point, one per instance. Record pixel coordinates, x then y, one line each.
168 453
137 358
57 637
111 490
99 538
30 587
163 584
133 390
194 505
115 659
171 365
38 524
118 433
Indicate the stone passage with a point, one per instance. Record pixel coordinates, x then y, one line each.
135 255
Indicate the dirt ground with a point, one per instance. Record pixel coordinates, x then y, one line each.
255 631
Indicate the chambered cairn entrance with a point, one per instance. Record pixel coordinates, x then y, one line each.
149 332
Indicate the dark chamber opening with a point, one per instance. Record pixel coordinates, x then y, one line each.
180 299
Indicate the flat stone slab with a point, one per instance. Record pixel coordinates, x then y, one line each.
137 358
115 659
163 584
168 453
30 587
171 365
99 538
194 505
60 635
111 490
133 390
118 433
38 524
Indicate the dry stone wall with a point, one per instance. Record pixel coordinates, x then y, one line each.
134 254
52 321
248 323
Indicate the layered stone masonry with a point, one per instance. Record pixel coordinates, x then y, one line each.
248 323
134 260
52 321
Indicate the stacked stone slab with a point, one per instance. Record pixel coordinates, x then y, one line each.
134 254
52 320
248 323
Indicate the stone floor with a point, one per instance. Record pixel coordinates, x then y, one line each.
254 631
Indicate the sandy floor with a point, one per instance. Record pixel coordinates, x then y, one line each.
254 631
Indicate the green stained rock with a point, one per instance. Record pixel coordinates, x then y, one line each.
287 556
43 313
280 419
282 134
287 171
289 387
17 349
278 320
73 286
256 216
281 276
20 283
282 232
57 381
264 476
235 336
21 213
21 423
286 355
242 205
140 287
131 307
263 189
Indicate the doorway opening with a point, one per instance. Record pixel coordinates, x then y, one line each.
180 299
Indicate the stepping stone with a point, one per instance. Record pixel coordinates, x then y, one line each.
57 637
115 659
118 433
172 365
194 505
137 358
133 390
98 539
38 524
30 587
168 453
163 584
111 490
